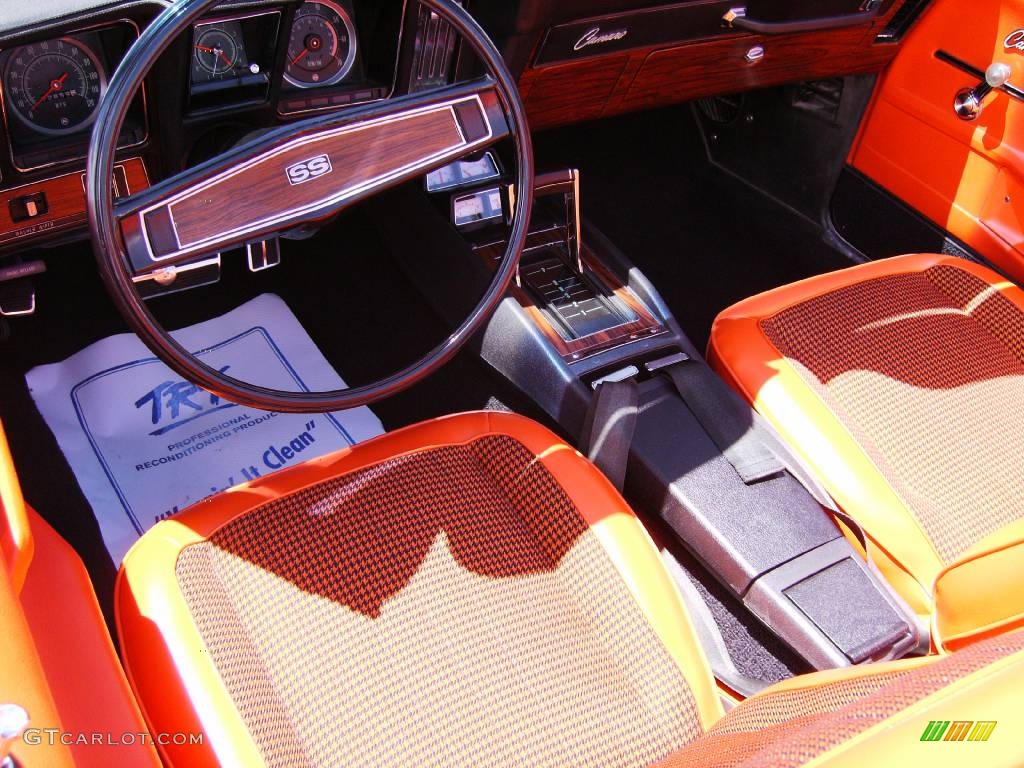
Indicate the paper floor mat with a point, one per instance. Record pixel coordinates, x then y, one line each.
144 444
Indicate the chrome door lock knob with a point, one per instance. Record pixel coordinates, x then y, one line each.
970 101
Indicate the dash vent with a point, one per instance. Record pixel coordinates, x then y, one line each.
433 51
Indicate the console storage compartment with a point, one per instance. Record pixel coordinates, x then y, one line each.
769 541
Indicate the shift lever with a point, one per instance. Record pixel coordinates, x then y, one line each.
968 102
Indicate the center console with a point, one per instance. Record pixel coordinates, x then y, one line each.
581 317
574 299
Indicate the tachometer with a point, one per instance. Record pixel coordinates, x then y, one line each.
322 46
54 86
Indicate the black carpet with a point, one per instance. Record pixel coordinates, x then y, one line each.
705 239
754 649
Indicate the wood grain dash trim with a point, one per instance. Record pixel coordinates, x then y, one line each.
65 198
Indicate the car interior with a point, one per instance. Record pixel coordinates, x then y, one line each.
511 382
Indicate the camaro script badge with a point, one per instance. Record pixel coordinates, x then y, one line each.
308 169
594 36
1015 41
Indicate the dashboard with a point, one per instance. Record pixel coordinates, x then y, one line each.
252 65
243 68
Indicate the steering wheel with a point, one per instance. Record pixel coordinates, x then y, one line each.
303 172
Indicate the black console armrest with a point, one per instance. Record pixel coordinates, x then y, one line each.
830 592
770 541
740 531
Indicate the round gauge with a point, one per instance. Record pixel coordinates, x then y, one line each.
322 46
216 51
55 86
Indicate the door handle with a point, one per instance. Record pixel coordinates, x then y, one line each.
737 18
970 101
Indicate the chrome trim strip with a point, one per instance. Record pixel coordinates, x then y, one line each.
21 312
175 270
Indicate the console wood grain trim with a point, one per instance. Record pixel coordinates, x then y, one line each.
573 350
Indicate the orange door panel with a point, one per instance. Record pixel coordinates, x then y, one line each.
57 661
15 537
967 177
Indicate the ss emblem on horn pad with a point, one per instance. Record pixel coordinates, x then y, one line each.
308 169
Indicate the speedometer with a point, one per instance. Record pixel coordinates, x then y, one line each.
54 87
322 46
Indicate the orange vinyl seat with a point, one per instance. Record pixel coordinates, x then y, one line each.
472 591
901 384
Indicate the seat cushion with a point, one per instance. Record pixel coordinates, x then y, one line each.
902 384
469 591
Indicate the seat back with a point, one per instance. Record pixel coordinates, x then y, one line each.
901 383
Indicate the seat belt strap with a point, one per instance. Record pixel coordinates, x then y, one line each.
609 426
736 436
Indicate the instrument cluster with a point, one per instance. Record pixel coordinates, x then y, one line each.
244 67
51 90
233 58
241 68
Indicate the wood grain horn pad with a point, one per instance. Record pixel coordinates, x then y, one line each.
302 178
